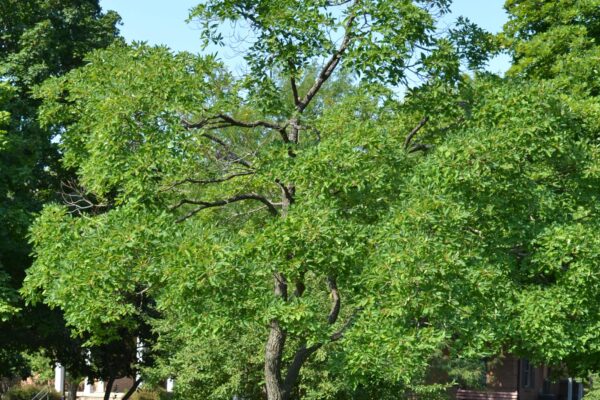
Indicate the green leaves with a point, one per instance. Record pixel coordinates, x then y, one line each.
112 254
129 134
447 240
544 36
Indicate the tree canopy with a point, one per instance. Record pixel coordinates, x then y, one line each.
302 231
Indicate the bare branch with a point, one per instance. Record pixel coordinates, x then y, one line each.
231 154
218 203
414 131
207 181
329 67
77 199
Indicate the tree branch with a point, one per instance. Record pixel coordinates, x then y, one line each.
232 155
293 371
288 192
132 389
340 333
275 345
218 203
414 131
295 91
300 287
293 83
78 200
420 147
329 67
224 121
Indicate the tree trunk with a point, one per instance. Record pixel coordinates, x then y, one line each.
108 389
274 347
72 395
273 354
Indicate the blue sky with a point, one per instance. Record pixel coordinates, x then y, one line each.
163 22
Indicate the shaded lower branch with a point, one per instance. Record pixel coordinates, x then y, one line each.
224 121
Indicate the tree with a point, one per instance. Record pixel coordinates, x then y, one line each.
40 39
8 295
555 44
550 39
238 210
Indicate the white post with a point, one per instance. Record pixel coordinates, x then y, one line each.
170 384
59 379
100 386
570 389
87 387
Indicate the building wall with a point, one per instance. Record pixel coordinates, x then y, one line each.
122 385
503 374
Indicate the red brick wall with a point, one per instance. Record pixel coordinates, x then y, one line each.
503 375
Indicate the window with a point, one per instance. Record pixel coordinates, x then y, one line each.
527 374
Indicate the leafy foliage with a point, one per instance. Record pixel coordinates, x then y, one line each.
548 38
27 392
365 238
40 38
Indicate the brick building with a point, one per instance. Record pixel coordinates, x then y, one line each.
518 379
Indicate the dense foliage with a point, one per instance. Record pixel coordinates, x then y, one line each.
27 392
300 231
39 39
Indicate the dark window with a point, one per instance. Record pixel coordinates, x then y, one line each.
527 374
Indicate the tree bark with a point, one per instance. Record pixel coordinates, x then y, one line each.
108 389
273 355
72 394
274 348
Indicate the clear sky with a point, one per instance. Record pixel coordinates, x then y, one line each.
163 22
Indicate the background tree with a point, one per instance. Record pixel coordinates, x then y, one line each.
40 39
550 39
